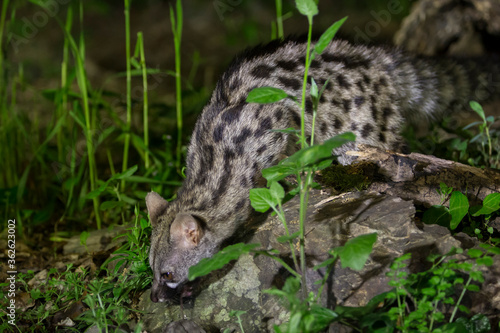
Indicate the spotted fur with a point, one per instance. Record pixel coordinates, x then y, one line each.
370 91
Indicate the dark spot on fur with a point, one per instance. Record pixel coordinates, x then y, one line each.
290 83
236 82
359 100
287 65
349 61
232 114
265 125
383 81
244 181
295 117
208 157
396 146
381 137
386 112
222 188
309 106
337 123
315 64
367 129
279 115
269 160
366 79
240 204
261 149
322 98
262 71
218 133
228 155
346 103
244 134
324 128
354 127
342 81
374 110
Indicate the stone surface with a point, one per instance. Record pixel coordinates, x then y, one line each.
332 221
466 28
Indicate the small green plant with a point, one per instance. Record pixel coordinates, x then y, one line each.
428 301
52 294
459 208
484 136
429 291
305 313
134 253
475 144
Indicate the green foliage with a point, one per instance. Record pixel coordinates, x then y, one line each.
356 251
266 95
107 298
48 176
220 259
431 289
476 144
48 296
459 208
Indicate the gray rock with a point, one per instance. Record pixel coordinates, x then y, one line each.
332 221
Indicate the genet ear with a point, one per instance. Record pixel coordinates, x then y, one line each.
186 230
156 206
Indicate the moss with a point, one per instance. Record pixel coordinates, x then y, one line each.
347 178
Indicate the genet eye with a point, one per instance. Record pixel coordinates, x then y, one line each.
167 276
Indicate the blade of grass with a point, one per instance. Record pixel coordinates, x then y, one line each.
129 91
279 18
176 21
140 42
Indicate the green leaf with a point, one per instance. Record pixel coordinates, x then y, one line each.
264 95
218 260
277 191
327 36
356 251
127 173
261 199
486 261
490 204
322 317
97 192
437 215
474 253
285 238
111 204
459 206
454 328
316 153
479 323
278 172
478 109
307 8
83 237
236 313
307 156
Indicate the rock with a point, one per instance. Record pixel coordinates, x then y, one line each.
332 221
98 240
467 28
